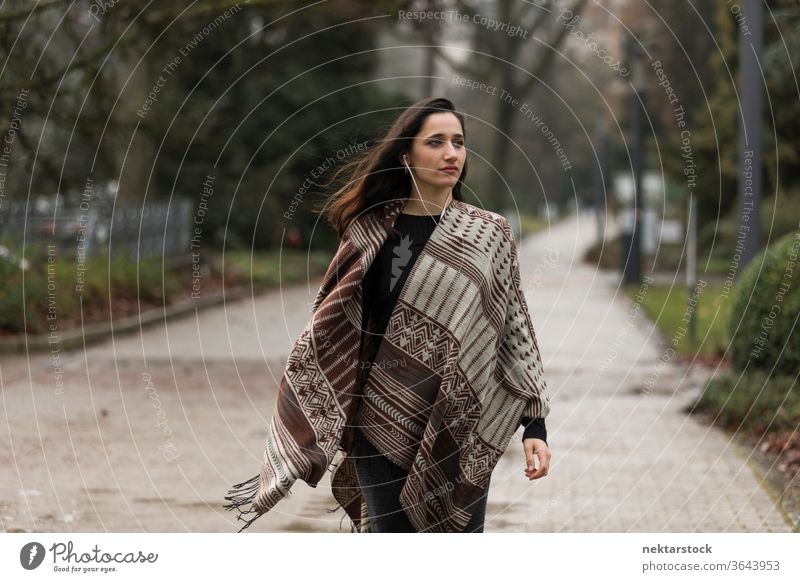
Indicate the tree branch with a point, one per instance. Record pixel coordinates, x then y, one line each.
539 70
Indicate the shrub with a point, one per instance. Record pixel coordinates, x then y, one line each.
719 237
758 401
29 299
764 310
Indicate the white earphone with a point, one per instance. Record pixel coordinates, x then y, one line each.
405 157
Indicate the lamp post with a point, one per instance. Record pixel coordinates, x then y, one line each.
750 44
600 190
632 260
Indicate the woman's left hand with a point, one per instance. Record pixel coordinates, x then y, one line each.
538 448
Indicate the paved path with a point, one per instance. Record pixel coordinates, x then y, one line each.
147 431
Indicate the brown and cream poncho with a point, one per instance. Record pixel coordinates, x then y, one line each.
456 370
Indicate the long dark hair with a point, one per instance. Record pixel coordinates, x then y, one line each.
377 176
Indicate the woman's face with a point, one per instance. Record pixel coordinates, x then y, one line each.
438 153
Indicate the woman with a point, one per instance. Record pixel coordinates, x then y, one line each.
420 360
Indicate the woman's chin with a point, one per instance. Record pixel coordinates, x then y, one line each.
443 181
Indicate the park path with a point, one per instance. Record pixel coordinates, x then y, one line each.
146 432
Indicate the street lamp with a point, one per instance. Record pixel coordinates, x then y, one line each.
632 261
749 186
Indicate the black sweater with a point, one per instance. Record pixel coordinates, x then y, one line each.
390 272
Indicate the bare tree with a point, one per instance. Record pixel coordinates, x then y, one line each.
511 64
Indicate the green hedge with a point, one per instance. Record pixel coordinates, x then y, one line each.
27 297
720 237
756 402
764 312
125 285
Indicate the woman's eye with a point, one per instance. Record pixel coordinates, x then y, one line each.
438 141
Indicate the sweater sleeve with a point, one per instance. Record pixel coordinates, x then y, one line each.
534 428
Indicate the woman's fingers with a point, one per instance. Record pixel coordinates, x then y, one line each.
539 449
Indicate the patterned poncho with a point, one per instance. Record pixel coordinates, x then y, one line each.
456 370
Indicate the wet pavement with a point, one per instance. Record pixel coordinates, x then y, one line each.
146 432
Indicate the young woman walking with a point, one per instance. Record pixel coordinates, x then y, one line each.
420 360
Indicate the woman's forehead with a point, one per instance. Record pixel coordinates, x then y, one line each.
444 123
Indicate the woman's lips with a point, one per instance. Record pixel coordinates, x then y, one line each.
450 170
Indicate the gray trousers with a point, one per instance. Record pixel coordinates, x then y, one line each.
381 481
